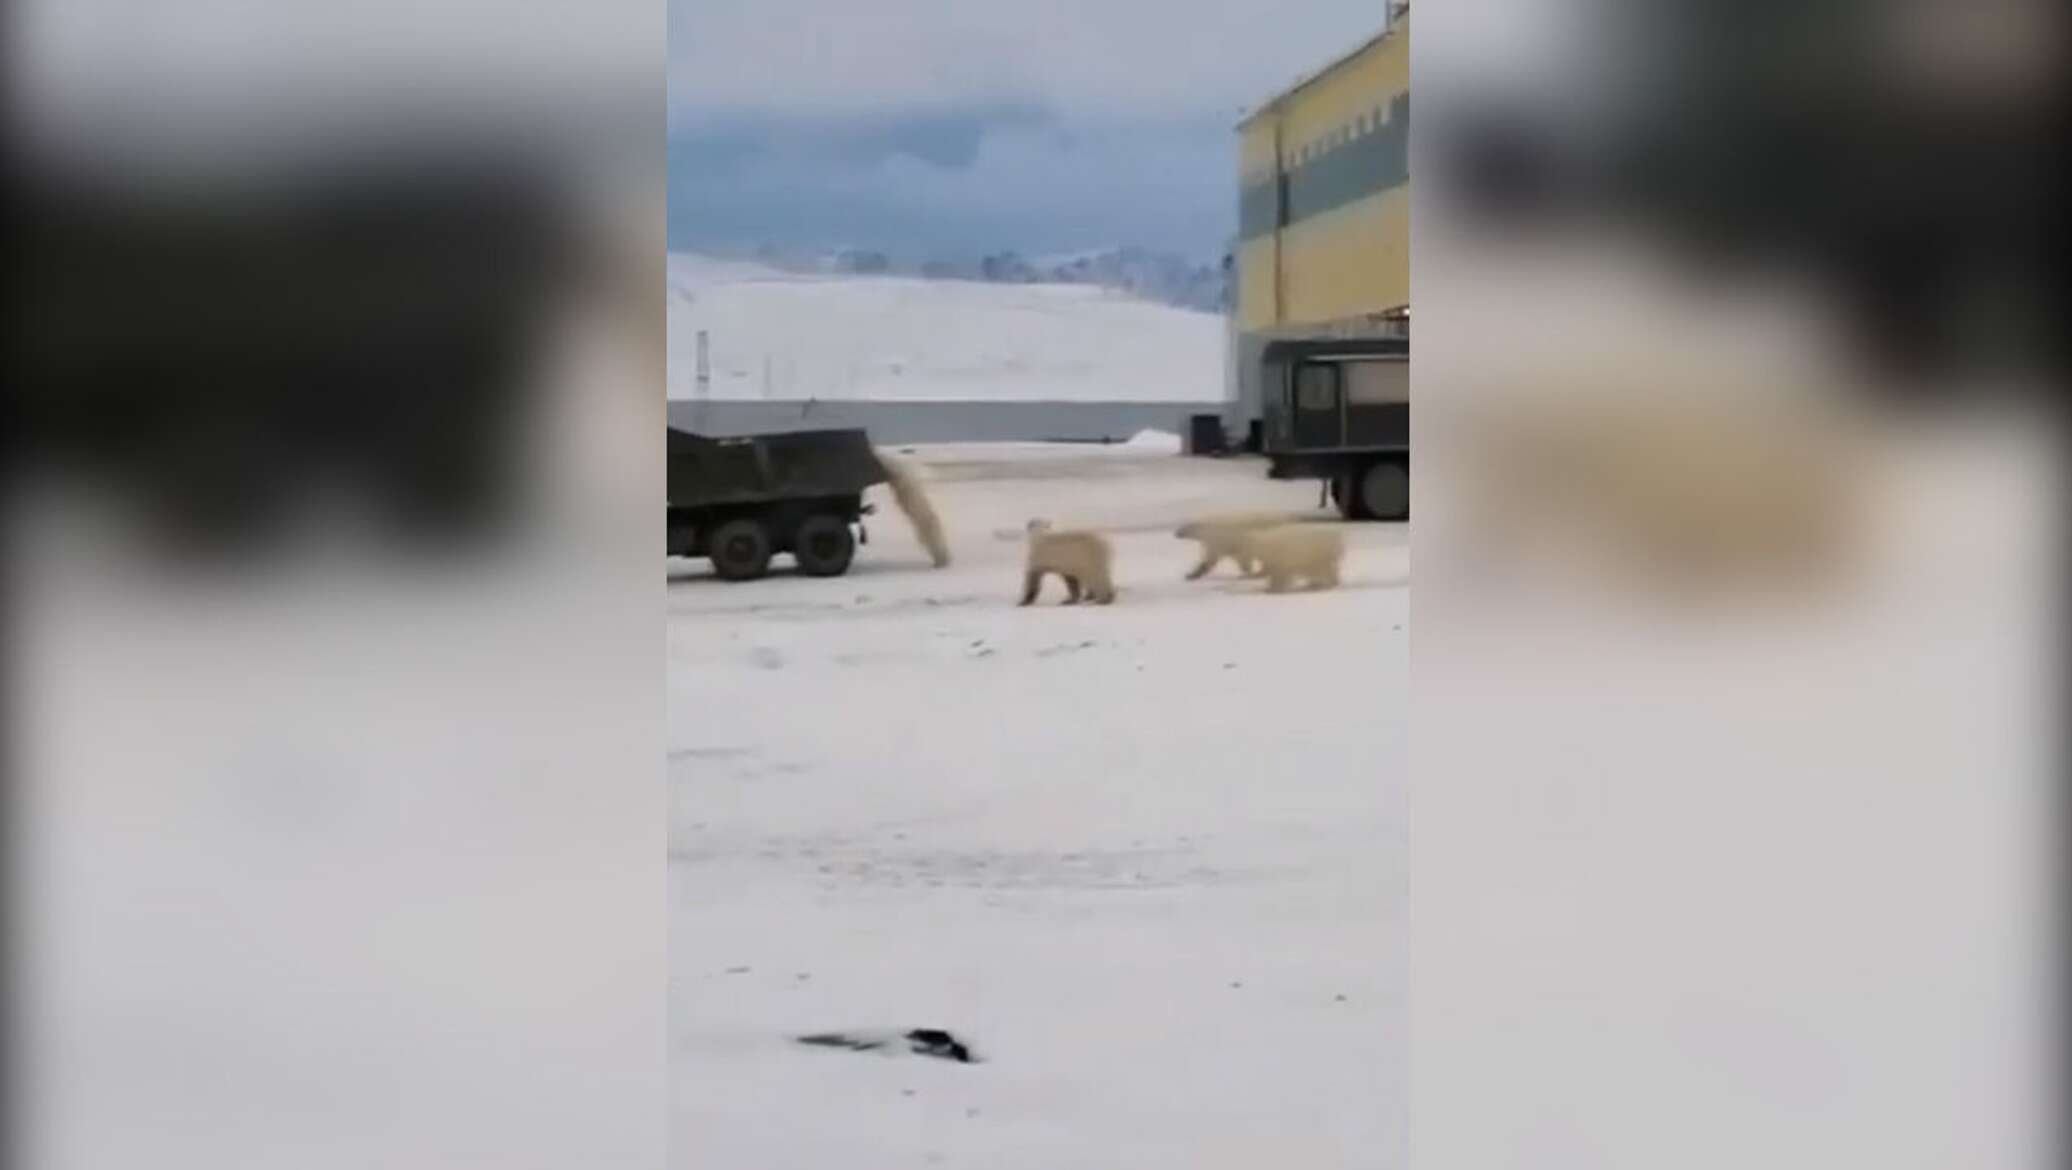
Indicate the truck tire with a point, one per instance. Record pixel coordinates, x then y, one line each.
682 538
1385 491
824 546
1345 492
740 549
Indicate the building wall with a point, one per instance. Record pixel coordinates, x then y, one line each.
1324 196
1337 269
1324 210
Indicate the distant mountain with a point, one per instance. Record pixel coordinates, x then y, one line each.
1155 276
1159 277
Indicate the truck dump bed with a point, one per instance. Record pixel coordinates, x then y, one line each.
763 468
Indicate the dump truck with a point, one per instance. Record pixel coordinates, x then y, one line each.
744 500
739 501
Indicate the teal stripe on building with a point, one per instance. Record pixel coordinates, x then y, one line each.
1367 165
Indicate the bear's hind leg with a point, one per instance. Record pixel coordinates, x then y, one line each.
1103 590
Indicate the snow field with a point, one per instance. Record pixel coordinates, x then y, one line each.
1146 858
781 335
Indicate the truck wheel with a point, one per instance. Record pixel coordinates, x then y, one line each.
1345 492
1385 491
740 549
824 546
682 538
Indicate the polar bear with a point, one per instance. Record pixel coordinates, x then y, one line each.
1290 552
1219 537
906 478
1080 558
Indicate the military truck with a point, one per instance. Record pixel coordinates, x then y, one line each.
741 501
1339 411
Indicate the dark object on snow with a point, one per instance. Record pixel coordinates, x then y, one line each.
934 1042
1205 435
920 1041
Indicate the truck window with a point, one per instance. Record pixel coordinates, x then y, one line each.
1316 387
1374 383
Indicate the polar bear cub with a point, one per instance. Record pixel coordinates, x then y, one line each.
1081 559
1219 537
1287 553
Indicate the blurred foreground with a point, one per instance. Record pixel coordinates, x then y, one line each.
1735 764
336 716
337 709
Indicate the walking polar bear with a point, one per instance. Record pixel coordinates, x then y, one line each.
1081 559
1286 553
1220 537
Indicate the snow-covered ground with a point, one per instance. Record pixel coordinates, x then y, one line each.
782 335
1148 859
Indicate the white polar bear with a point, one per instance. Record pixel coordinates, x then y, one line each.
1291 552
1220 536
1082 559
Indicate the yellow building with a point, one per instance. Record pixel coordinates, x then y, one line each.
1324 207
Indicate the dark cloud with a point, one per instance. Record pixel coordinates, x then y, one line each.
948 126
1114 60
947 138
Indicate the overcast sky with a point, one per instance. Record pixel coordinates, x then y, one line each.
945 127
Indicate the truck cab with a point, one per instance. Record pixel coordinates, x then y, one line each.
1339 410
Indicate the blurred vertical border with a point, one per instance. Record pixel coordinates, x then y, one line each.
333 609
1736 674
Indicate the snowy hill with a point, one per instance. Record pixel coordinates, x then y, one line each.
1154 276
786 335
1162 277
